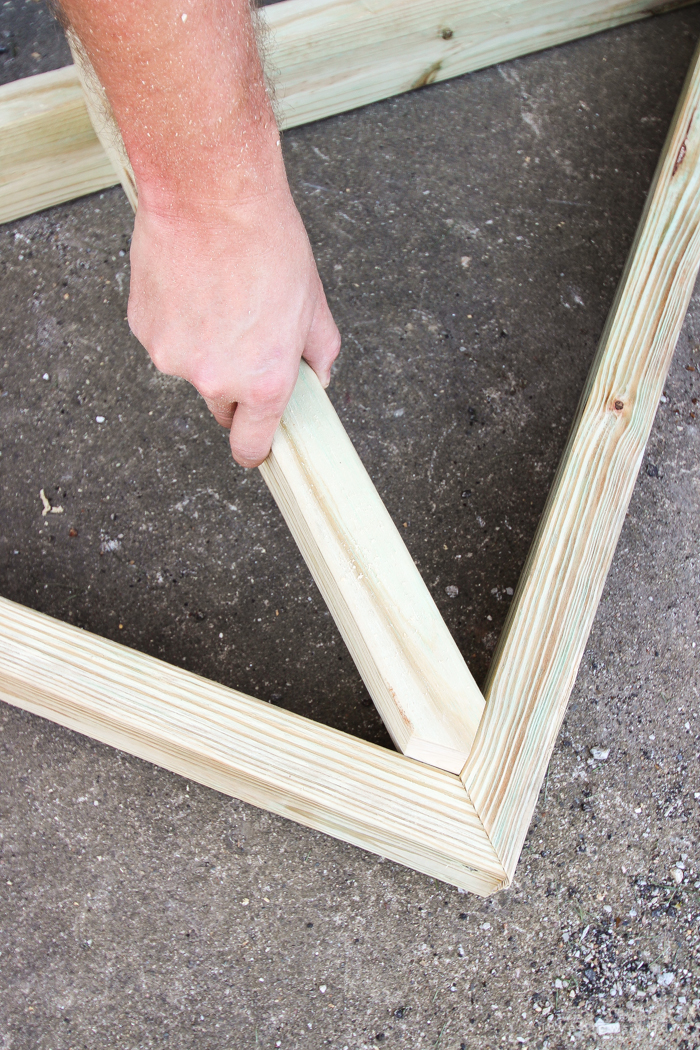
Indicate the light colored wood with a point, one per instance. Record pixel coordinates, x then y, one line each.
328 56
325 779
537 658
48 150
407 657
322 57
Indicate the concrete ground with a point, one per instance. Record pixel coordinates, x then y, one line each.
470 237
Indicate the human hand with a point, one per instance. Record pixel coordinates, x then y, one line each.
224 288
228 297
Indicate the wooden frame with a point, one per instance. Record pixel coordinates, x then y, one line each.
465 829
408 659
322 57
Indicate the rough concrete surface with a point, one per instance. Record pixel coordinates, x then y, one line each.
470 237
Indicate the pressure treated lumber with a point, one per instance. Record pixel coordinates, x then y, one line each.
48 150
320 777
328 56
535 664
407 657
322 57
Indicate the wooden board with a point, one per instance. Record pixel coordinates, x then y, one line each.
320 777
537 658
328 56
322 57
48 151
408 659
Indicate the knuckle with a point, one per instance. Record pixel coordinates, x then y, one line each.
158 349
208 388
205 380
334 345
135 320
159 356
270 390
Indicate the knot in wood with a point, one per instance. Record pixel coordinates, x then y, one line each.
446 34
619 405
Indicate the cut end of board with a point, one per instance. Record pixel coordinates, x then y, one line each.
452 760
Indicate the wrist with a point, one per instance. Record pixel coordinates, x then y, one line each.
216 206
214 177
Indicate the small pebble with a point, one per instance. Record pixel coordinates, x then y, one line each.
677 876
452 591
45 375
607 1028
99 419
600 754
666 979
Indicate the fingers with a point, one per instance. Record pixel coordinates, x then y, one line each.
251 403
222 411
252 431
252 413
323 341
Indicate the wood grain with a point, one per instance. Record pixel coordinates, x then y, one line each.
537 658
322 57
319 777
407 657
328 56
48 150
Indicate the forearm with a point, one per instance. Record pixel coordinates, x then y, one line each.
224 288
185 82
